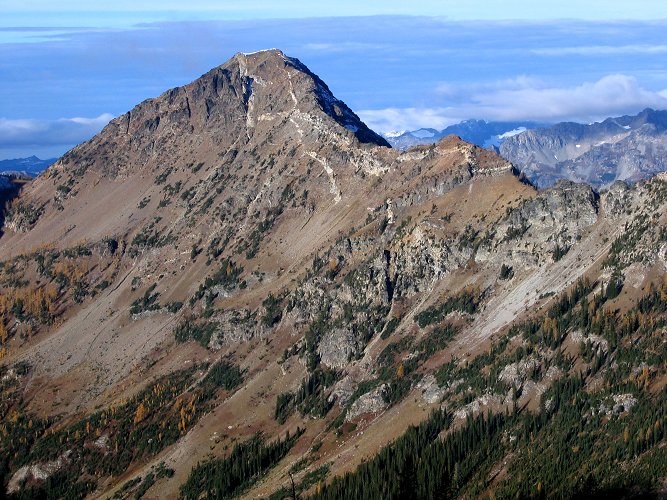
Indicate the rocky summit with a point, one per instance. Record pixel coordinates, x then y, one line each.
238 289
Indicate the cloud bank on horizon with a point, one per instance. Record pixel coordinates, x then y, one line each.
397 72
18 136
523 99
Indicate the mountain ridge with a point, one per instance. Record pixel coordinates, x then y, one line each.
229 259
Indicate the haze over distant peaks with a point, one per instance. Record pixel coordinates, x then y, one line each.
480 132
31 166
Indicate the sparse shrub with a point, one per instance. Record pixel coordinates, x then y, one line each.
466 301
614 286
390 328
174 307
274 311
147 302
188 329
559 252
162 177
506 272
196 168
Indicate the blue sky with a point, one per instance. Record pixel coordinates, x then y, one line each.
399 65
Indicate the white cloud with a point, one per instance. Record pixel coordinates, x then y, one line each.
523 98
63 131
450 91
394 119
610 95
98 121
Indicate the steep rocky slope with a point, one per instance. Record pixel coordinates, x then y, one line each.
243 255
628 148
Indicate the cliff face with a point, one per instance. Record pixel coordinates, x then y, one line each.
243 254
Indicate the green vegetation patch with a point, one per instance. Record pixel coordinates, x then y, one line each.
147 302
467 301
231 476
310 399
190 329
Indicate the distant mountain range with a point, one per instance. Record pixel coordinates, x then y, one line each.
627 148
31 166
479 132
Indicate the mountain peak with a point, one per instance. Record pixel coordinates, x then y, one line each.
271 67
250 95
271 57
271 51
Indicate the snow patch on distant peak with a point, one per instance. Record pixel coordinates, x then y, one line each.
352 128
624 127
395 133
496 140
512 133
